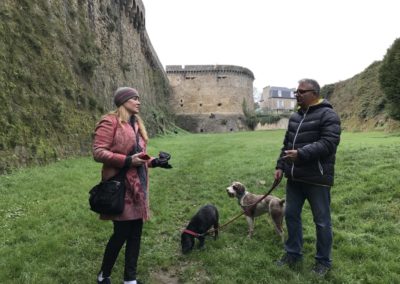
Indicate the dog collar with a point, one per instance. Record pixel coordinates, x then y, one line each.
191 233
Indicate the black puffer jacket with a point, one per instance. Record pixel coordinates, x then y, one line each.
315 134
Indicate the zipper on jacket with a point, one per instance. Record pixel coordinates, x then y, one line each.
295 137
321 169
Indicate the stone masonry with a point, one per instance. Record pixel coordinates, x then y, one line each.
210 98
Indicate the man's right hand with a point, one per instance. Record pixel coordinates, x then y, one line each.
278 174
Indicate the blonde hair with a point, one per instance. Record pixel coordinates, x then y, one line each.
123 116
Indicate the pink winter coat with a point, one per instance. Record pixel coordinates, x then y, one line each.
111 150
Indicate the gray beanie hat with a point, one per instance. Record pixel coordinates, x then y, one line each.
123 94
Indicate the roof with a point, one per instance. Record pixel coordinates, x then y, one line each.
284 92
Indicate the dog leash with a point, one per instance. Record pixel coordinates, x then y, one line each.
196 235
274 185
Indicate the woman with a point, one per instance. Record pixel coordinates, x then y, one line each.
119 134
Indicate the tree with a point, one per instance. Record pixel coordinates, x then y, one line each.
389 79
327 91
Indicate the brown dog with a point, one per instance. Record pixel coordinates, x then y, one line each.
270 204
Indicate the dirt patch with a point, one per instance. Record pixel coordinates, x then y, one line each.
173 275
170 276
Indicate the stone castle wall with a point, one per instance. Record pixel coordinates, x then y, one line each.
281 124
128 56
72 55
209 98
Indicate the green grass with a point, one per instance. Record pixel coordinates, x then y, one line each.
50 236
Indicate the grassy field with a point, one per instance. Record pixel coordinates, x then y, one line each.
49 235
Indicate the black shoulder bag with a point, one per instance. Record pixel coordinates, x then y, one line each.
108 197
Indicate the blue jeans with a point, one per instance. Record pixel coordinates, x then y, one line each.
319 199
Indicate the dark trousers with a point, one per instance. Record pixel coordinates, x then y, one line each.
129 232
319 199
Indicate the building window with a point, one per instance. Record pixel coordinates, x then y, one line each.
279 93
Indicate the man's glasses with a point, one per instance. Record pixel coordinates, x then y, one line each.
300 91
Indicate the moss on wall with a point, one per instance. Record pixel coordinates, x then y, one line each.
360 101
56 80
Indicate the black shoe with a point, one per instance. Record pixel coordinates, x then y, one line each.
320 269
288 259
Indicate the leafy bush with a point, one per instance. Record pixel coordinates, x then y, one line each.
88 63
268 118
389 78
327 91
250 117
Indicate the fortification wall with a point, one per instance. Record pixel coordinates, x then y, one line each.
127 52
209 98
281 124
59 66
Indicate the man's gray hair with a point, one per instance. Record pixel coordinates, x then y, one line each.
313 83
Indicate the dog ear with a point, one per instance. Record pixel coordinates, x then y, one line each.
235 184
238 187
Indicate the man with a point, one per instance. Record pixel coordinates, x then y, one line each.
307 158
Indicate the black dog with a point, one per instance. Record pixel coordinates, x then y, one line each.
198 226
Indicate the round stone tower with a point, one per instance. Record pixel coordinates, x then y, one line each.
211 98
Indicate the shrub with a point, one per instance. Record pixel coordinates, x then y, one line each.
389 78
87 63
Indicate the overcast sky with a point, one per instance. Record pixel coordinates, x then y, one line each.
280 41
